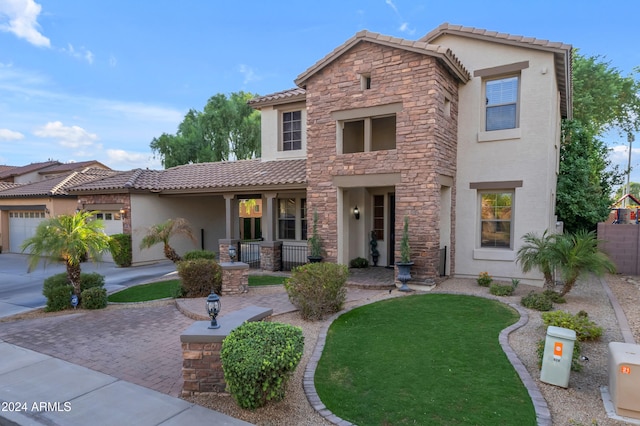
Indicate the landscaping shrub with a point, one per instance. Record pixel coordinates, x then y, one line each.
94 298
317 289
57 289
484 279
580 323
501 290
554 296
199 254
359 262
575 364
120 248
258 359
537 301
200 277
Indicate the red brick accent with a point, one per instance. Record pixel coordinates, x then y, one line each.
426 142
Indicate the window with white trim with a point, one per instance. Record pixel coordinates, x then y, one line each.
292 130
502 103
292 218
496 218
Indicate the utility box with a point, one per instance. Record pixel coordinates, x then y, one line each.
624 378
558 354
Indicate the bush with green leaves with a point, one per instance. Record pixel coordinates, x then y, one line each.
94 298
554 296
120 248
258 359
58 289
200 277
359 262
501 289
537 301
199 254
317 289
575 364
580 323
484 279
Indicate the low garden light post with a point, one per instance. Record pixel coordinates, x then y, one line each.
213 309
232 253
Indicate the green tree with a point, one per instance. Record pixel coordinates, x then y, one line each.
576 254
163 232
227 129
70 239
536 253
622 190
603 100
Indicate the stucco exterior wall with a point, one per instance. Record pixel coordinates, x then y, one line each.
425 148
203 212
530 154
271 131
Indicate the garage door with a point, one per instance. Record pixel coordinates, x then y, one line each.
22 225
112 225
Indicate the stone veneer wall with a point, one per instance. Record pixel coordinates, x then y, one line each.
123 199
426 143
271 256
202 368
235 278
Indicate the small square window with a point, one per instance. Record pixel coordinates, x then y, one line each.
365 81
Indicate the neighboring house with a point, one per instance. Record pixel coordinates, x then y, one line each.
36 172
458 131
24 206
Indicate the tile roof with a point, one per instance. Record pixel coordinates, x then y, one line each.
286 96
53 187
205 177
21 170
445 55
562 54
69 167
7 185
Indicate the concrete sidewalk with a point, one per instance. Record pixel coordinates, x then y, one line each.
30 380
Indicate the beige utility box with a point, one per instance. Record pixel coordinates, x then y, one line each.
624 378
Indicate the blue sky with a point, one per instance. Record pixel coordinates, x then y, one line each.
83 80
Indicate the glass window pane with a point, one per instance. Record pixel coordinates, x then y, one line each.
503 91
501 117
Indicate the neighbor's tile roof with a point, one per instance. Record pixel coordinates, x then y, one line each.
21 170
7 185
57 186
69 167
443 54
286 96
562 54
205 177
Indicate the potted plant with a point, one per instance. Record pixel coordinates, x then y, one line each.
373 243
405 264
315 244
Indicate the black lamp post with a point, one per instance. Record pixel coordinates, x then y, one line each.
232 253
213 308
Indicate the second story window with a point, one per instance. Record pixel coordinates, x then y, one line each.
291 130
501 98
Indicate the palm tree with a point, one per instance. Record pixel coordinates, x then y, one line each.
578 253
536 253
68 238
162 233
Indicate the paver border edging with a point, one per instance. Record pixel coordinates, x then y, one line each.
543 415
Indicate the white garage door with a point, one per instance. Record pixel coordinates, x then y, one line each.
22 225
112 225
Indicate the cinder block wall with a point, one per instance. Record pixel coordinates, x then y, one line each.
621 243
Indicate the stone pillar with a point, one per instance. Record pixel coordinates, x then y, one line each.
235 278
223 249
201 366
271 256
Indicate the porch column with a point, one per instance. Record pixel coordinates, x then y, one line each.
231 228
269 216
270 250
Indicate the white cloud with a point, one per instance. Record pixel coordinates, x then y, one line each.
404 26
70 137
126 159
81 53
249 74
139 110
392 5
20 17
113 61
10 135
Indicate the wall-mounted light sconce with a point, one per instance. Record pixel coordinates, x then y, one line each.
46 211
356 213
123 212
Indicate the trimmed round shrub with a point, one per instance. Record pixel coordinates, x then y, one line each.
501 289
484 279
359 262
91 280
258 359
554 296
200 277
58 297
199 254
537 301
120 248
317 289
58 289
580 323
94 298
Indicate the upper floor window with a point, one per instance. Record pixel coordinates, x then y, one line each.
291 130
501 103
366 129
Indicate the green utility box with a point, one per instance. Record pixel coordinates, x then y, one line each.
558 353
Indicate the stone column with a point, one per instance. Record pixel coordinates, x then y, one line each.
271 256
235 278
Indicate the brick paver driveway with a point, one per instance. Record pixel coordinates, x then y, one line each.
139 345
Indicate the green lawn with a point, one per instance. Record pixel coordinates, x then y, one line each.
146 292
424 359
258 280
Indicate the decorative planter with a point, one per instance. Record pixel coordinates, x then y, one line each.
314 259
404 275
375 260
